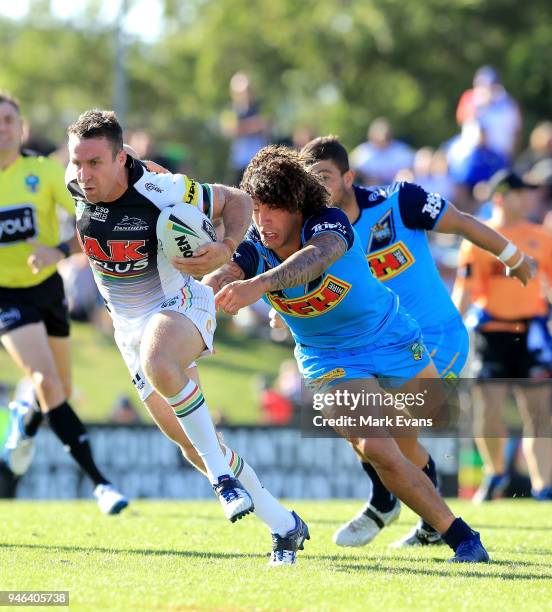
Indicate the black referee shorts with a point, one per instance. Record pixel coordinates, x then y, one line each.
44 302
503 355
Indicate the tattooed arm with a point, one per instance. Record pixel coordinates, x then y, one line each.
318 254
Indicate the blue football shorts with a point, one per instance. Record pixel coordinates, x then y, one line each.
448 345
398 353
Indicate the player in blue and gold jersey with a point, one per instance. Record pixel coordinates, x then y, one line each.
305 259
392 223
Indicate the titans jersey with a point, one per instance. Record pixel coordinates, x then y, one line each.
133 276
344 307
392 228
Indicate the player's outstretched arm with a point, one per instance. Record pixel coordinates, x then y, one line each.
318 254
218 279
453 221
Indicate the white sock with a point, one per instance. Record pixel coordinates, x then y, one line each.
267 507
191 409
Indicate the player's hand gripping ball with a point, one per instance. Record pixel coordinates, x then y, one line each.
182 228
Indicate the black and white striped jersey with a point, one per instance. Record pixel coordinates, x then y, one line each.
133 275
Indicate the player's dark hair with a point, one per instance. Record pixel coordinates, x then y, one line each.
326 148
278 177
97 123
7 98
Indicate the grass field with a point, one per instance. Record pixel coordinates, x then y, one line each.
228 377
183 555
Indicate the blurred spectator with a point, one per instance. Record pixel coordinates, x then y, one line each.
143 144
301 135
124 412
431 172
494 109
471 161
541 175
378 160
247 128
276 409
539 149
281 404
511 340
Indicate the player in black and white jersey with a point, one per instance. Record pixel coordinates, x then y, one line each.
163 318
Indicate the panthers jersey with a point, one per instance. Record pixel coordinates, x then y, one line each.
133 275
344 307
392 227
30 190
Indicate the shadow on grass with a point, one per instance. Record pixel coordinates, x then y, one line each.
378 564
467 573
139 551
514 527
382 558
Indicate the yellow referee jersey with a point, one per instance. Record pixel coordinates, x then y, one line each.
30 190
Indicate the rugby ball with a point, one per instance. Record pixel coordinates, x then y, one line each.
182 228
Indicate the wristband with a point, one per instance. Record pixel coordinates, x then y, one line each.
64 248
514 267
509 250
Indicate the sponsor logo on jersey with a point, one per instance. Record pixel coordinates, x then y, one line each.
382 234
433 205
130 224
117 250
153 187
391 261
327 225
99 213
32 182
321 300
17 224
121 269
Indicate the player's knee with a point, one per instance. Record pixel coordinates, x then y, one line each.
160 369
48 386
381 453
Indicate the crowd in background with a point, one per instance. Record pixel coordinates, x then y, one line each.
489 138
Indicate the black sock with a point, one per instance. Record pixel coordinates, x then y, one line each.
431 472
69 429
456 533
382 499
32 425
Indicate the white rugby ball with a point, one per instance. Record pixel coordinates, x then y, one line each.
182 228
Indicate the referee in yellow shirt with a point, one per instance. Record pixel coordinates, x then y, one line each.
34 322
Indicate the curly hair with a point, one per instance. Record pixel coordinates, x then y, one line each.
278 178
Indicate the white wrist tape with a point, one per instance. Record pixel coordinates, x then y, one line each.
518 264
509 250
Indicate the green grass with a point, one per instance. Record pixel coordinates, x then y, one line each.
228 377
183 555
